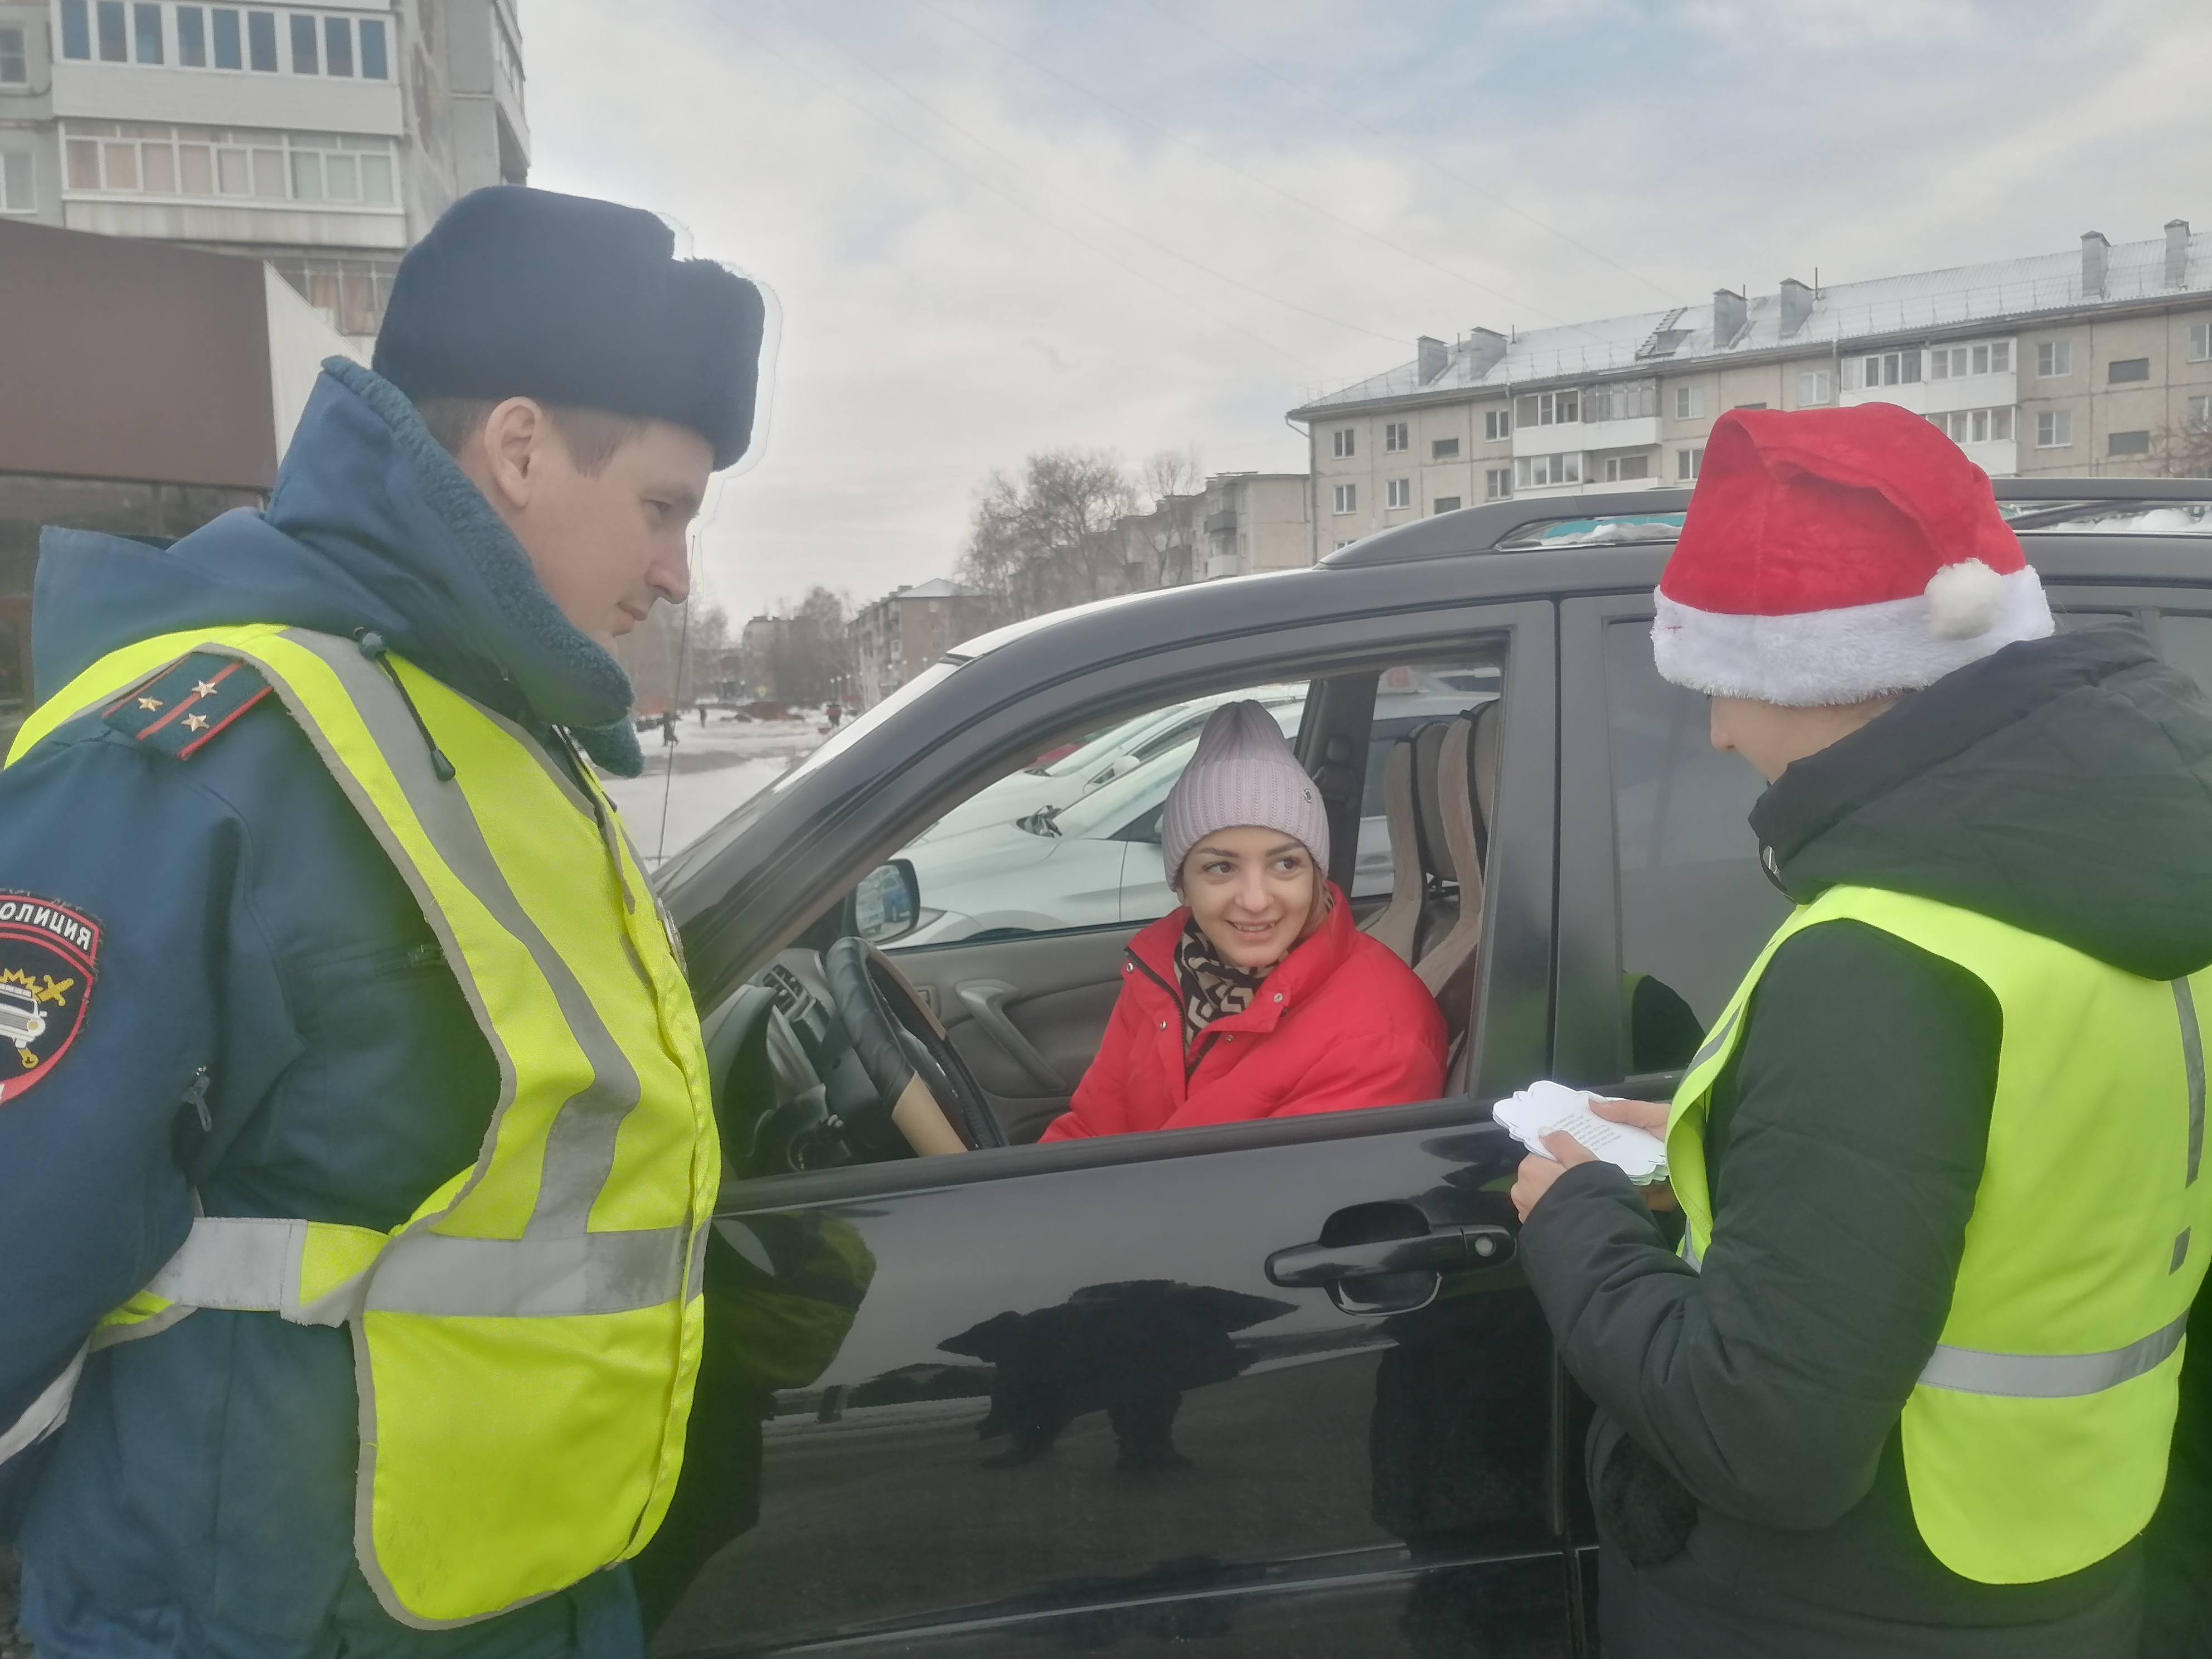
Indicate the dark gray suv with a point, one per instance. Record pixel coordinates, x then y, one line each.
1272 1389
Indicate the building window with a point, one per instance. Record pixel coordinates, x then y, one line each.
1815 388
1623 469
1686 463
1975 426
2128 443
1956 363
1397 493
2123 370
337 46
1549 408
112 32
1343 443
374 66
1445 504
1626 400
1395 438
14 61
1497 483
202 161
17 194
1751 405
228 54
261 41
146 32
76 28
1497 425
1689 403
2054 428
1347 498
1444 449
2200 415
1882 368
1538 471
304 54
2054 360
2200 342
191 36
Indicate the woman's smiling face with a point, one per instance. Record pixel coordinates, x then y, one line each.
1254 891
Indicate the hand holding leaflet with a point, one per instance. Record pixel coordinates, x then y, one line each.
1543 1108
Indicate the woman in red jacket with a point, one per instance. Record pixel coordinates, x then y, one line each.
1259 998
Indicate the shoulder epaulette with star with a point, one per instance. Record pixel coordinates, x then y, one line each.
181 709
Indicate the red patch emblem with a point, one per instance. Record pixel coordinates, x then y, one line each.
47 952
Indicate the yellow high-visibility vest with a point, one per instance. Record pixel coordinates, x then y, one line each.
525 1343
2036 1437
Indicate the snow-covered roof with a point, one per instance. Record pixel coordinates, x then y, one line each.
2004 291
937 587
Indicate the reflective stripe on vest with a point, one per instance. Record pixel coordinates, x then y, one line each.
2035 1439
527 1343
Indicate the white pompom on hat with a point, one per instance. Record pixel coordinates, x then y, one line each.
1242 773
1834 556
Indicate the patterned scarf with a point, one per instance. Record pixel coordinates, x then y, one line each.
1212 988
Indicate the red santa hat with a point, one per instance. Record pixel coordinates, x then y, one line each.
1831 555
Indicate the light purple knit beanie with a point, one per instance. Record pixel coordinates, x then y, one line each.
1242 773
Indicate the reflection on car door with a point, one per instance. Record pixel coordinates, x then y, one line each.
1068 1407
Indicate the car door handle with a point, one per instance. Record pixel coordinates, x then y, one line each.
1447 1249
985 1001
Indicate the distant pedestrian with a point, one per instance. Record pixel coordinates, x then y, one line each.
1909 1387
668 737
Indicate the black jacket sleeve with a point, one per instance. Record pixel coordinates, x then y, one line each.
1846 1171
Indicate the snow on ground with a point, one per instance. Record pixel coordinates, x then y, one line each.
706 775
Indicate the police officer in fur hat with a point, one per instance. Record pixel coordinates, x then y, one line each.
354 1143
1908 1385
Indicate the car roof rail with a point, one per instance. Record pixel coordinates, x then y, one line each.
1625 517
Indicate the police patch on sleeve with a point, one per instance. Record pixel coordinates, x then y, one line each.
47 954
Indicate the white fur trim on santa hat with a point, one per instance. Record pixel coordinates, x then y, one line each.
1855 652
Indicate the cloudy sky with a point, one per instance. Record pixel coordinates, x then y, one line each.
997 227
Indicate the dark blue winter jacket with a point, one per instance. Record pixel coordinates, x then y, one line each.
199 1499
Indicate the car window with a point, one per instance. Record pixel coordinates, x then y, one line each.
1058 848
1408 696
2185 641
1695 906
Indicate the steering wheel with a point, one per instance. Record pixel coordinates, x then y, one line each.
925 1088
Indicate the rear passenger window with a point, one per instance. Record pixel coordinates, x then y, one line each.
2186 643
1695 907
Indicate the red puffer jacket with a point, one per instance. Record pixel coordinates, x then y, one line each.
1342 1022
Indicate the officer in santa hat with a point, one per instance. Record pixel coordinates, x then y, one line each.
1907 1384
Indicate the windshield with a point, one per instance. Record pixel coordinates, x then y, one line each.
935 675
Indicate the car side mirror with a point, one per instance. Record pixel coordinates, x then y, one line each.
887 904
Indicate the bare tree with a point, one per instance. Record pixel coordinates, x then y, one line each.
671 656
1047 540
2182 449
1171 472
811 659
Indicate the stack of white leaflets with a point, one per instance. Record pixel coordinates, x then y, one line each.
1542 1108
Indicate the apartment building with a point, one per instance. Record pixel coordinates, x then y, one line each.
1238 524
2096 361
324 139
908 630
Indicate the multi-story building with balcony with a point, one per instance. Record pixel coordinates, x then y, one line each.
323 139
2089 362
